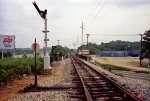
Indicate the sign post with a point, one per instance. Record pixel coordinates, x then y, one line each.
2 54
35 46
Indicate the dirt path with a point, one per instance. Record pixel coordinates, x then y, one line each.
13 87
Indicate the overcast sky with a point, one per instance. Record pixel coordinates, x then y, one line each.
104 20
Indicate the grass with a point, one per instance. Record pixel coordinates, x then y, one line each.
142 71
118 74
113 67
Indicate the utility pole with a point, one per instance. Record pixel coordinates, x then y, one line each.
58 41
2 53
74 45
140 49
82 33
77 42
87 40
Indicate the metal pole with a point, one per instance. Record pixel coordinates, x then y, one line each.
46 57
46 33
140 49
13 52
2 54
124 51
87 41
58 41
77 43
82 33
35 84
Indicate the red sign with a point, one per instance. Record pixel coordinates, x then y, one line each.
35 46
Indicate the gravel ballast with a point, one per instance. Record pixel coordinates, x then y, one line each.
41 96
60 77
135 85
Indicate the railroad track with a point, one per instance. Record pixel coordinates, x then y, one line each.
96 86
87 84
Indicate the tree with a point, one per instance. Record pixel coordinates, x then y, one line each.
119 46
93 47
112 46
57 52
145 49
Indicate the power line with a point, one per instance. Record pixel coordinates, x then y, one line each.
91 9
97 13
113 35
94 9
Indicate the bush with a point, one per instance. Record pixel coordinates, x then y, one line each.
14 67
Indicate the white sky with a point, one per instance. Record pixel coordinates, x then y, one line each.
107 18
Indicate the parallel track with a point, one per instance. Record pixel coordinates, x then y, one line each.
98 87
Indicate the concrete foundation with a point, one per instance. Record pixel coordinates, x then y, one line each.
48 71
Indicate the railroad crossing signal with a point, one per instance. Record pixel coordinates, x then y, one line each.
42 13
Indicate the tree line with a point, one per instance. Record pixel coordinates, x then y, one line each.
112 46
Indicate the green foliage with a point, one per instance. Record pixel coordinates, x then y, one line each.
142 71
119 46
58 52
112 46
145 49
112 67
14 67
92 47
146 41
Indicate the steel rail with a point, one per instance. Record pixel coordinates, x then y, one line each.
86 92
128 94
124 91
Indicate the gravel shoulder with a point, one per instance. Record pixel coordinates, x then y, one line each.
132 84
60 76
